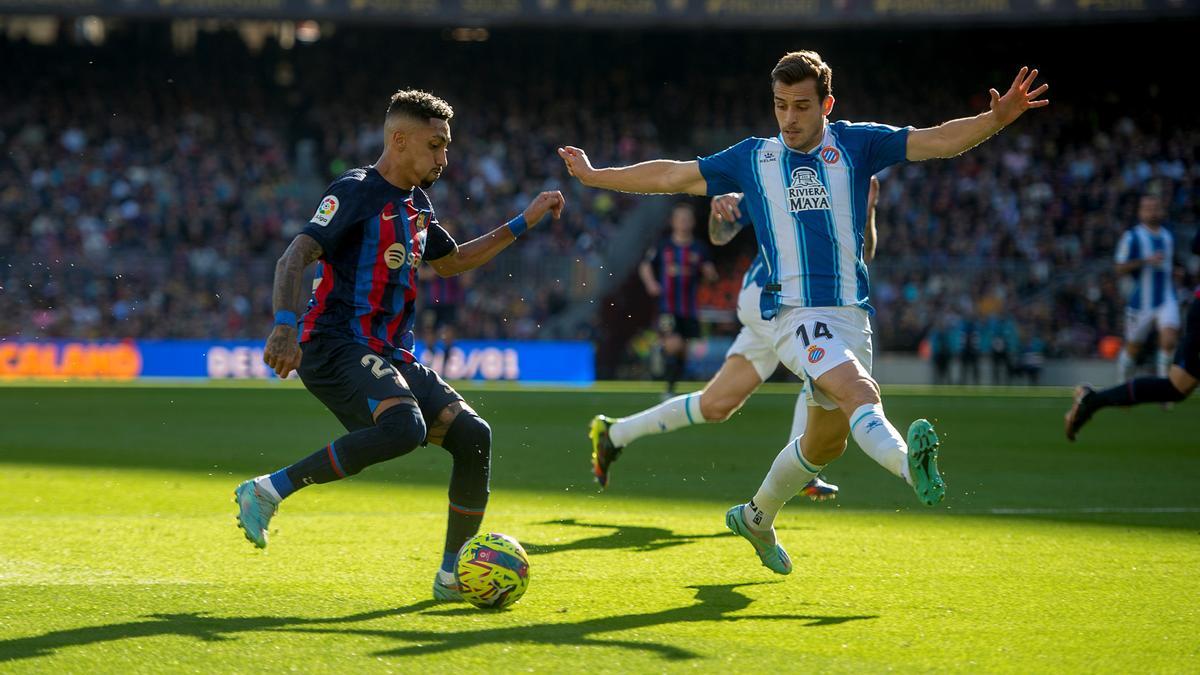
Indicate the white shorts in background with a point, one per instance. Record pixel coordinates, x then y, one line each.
756 340
811 341
1138 322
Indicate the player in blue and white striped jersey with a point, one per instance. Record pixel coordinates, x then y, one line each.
1146 253
749 362
806 191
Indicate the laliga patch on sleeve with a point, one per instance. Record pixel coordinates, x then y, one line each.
324 214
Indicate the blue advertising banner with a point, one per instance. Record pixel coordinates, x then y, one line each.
132 359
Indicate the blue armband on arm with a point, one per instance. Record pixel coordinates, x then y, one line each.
285 318
518 225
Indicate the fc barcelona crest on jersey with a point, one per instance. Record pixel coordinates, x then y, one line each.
422 221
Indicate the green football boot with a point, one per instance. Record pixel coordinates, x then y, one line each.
922 463
255 509
772 555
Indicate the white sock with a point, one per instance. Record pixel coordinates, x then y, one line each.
800 417
669 415
879 439
1163 362
1124 363
789 472
263 483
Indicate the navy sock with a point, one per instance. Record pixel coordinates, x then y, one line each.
397 432
674 371
469 441
1133 392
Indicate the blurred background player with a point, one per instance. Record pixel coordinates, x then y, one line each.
671 271
354 350
750 361
1179 383
1146 253
806 190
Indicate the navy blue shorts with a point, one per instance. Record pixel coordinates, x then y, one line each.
686 327
351 380
1187 354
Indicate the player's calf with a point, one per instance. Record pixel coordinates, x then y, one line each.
398 430
469 442
1142 390
719 406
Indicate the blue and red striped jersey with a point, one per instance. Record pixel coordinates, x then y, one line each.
677 268
374 236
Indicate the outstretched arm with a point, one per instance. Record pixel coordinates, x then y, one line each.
478 251
659 176
955 137
282 353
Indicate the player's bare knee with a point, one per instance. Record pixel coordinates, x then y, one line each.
717 407
1183 381
863 391
824 453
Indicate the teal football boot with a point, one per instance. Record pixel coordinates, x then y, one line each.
922 463
255 509
772 555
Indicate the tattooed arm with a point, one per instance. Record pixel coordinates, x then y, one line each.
282 352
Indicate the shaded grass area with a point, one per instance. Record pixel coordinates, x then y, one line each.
998 452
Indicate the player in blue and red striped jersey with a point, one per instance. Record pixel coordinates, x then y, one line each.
1179 383
671 272
354 347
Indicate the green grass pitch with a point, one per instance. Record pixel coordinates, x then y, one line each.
118 550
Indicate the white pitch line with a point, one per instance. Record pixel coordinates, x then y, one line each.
1093 509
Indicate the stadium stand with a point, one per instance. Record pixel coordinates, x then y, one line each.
151 200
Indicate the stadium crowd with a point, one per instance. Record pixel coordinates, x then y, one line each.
154 203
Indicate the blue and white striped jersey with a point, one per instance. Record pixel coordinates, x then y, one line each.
1152 284
809 210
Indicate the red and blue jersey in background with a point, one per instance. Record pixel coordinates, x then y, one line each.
445 291
678 268
374 236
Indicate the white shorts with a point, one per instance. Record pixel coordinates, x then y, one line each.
811 341
756 340
1138 322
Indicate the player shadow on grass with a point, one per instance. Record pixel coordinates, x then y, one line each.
187 624
630 537
716 603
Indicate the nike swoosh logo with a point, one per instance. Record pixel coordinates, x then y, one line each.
393 217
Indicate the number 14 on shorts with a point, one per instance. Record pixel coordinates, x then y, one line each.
819 330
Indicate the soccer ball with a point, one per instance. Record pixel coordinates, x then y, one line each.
493 570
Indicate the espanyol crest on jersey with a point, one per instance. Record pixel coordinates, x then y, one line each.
809 209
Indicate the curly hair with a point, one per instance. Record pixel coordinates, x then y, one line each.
418 104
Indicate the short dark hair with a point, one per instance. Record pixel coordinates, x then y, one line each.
420 105
795 67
